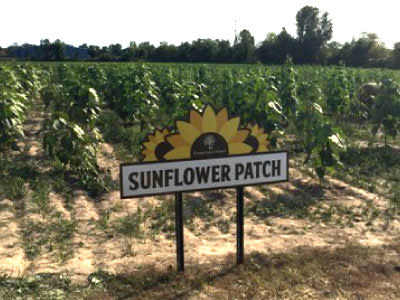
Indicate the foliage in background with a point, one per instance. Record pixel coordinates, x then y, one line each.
386 109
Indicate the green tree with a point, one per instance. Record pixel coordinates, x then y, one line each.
145 50
57 50
130 53
396 56
244 47
94 51
45 47
313 32
367 51
267 50
286 46
116 51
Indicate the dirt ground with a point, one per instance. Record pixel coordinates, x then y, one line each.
343 217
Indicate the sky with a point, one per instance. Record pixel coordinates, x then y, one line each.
103 22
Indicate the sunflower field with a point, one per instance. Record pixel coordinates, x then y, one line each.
79 100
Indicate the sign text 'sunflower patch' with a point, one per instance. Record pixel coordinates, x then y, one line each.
154 178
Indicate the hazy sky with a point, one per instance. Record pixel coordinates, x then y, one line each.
103 22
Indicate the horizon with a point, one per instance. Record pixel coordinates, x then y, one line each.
84 22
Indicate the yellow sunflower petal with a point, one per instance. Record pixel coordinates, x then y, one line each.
187 131
240 136
195 119
262 148
159 137
152 138
209 122
150 145
146 152
222 118
239 148
228 131
262 137
176 140
178 153
254 130
151 157
165 132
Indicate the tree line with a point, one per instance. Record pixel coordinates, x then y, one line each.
311 45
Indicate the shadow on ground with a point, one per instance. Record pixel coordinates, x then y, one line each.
352 271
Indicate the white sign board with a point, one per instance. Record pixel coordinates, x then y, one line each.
153 178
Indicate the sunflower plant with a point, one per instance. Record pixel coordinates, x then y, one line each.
386 109
321 141
13 108
68 143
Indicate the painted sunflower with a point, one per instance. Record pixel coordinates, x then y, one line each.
258 139
156 146
208 134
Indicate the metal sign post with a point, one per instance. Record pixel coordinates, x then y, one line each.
179 232
239 226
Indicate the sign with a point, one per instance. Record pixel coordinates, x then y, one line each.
209 150
147 179
206 134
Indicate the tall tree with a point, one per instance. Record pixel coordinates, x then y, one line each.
129 53
184 52
244 48
307 22
224 53
145 50
286 46
267 50
313 32
58 50
45 47
115 50
94 51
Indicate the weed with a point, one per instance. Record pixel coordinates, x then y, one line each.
54 236
12 188
367 167
282 205
198 207
40 196
162 217
104 219
327 214
130 225
223 225
128 247
41 286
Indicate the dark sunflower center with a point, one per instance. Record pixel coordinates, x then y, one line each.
252 142
209 145
162 149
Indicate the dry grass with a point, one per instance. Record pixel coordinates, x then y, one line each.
351 272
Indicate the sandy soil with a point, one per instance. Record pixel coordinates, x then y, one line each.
97 249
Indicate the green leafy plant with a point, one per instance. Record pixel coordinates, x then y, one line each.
337 94
13 108
67 142
321 141
134 96
386 109
287 88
